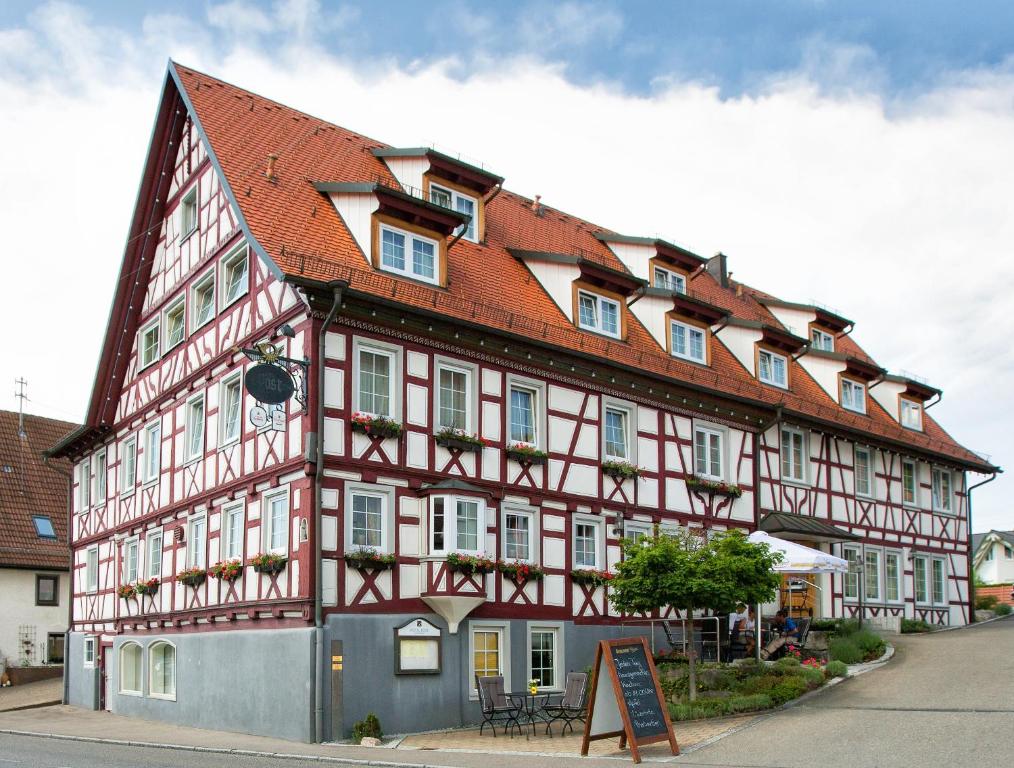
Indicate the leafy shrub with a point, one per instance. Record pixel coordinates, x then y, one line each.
836 669
749 703
368 727
985 602
759 684
909 626
824 625
846 650
787 663
700 708
870 643
1002 609
847 627
788 688
814 678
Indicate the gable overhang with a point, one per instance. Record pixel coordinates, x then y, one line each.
688 306
446 167
864 370
665 251
824 317
915 389
602 276
400 205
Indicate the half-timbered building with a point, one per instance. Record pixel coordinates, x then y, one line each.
486 378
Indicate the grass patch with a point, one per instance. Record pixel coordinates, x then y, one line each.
836 669
912 626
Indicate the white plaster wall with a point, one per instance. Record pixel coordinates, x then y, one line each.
408 170
18 608
356 211
558 281
886 393
741 341
824 371
650 310
797 321
634 256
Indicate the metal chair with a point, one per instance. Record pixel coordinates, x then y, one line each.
496 705
571 706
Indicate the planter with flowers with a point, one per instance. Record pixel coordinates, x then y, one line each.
621 470
126 591
149 587
470 564
591 577
375 426
460 439
716 487
227 570
533 686
269 563
369 559
520 571
526 454
192 577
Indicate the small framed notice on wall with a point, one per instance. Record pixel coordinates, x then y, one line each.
417 648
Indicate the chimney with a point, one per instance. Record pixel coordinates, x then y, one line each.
717 266
270 173
537 206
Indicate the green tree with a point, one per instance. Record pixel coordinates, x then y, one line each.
688 571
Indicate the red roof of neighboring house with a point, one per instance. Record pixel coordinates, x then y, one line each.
29 486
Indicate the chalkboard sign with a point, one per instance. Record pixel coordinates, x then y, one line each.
269 383
626 698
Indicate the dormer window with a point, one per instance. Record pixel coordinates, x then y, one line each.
598 313
821 340
688 342
911 414
456 201
773 368
408 254
668 280
853 395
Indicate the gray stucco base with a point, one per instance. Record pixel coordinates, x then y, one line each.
82 683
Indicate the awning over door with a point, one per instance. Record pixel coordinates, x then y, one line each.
799 559
785 525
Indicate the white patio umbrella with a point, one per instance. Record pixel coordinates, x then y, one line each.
799 559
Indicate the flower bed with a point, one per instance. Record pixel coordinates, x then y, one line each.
709 486
376 426
227 570
269 563
620 469
590 576
519 571
526 454
470 564
126 591
460 440
149 587
367 558
192 577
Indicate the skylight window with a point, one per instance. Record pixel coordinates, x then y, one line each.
44 527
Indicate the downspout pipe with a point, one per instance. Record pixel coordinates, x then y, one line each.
336 287
968 534
927 406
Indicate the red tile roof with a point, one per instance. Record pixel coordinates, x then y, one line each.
30 486
304 236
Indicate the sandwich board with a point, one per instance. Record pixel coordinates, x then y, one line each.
626 698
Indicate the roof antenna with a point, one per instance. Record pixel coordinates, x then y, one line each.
21 396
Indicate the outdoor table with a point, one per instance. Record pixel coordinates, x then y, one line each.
530 707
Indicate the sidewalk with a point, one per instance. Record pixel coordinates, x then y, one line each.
40 694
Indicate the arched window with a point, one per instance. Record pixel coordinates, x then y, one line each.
130 669
162 669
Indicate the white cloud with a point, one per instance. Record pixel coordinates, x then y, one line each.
546 28
898 214
239 18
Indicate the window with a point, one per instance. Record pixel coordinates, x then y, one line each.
276 523
368 520
599 314
669 280
543 656
162 668
489 649
149 344
636 532
920 574
47 590
197 538
89 652
939 581
130 561
130 669
376 382
175 325
449 198
84 485
1008 553
853 396
616 434
518 528
92 569
43 527
930 580
523 422
54 647
234 276
794 458
821 340
708 453
772 369
152 451
864 474
232 531
406 254
989 554
454 406
456 525
942 490
586 544
687 342
100 477
911 414
203 301
154 560
188 213
892 581
231 405
872 582
128 473
909 483
852 577
195 428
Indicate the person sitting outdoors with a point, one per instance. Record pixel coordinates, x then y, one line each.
749 631
736 617
787 626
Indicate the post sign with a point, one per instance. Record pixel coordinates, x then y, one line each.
269 383
258 416
626 698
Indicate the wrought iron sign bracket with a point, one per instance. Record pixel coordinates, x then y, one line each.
297 369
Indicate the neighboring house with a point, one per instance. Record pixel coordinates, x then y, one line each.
994 557
34 554
481 370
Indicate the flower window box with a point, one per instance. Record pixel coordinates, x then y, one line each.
715 487
375 426
126 591
621 470
470 564
149 587
192 577
526 454
520 571
460 440
368 559
227 570
269 563
591 577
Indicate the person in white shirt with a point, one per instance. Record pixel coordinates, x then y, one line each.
736 616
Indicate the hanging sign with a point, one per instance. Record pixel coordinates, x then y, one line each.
626 698
278 419
269 383
258 416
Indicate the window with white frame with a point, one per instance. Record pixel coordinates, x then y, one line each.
637 532
154 554
233 517
130 669
892 576
616 432
519 537
939 585
772 368
368 515
942 496
599 314
197 540
821 340
451 198
88 654
523 415
152 451
587 543
909 482
864 472
669 280
872 573
128 468
457 524
930 576
130 549
408 254
794 458
851 555
231 406
175 324
188 213
195 428
100 477
490 653
989 554
544 651
375 380
911 414
1008 553
687 342
149 343
853 395
276 523
235 276
708 452
920 575
202 301
92 569
454 397
162 670
84 485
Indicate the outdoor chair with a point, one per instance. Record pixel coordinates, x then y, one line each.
737 643
571 706
803 625
496 705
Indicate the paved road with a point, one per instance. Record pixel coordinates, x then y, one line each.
944 700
